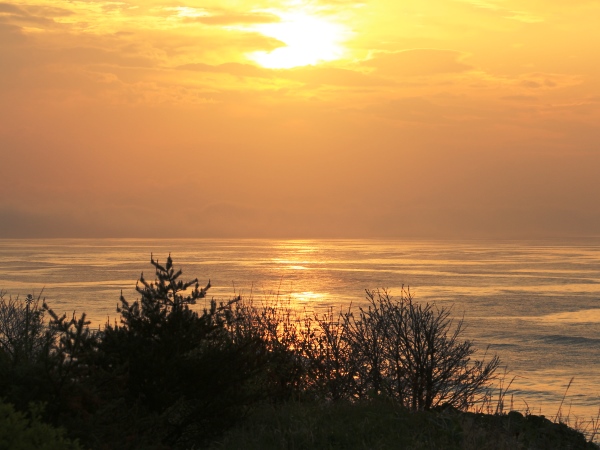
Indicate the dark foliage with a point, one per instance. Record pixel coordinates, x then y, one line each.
26 431
23 336
182 368
382 424
24 346
173 374
165 377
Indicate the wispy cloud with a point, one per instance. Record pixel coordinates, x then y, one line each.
417 62
27 15
232 18
506 13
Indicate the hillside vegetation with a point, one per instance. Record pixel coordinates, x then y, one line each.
394 374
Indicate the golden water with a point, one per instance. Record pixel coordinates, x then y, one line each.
537 304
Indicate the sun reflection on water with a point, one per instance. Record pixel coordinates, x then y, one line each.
308 296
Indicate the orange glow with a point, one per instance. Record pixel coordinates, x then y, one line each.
308 40
300 118
309 296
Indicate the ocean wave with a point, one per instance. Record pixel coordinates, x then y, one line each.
581 316
561 339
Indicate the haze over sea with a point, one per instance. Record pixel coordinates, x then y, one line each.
536 304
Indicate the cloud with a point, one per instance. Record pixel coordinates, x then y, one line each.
343 3
92 55
234 19
409 109
520 98
236 69
541 81
11 9
332 76
506 13
525 17
418 62
31 14
310 75
10 34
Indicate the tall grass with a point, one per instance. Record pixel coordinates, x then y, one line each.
495 403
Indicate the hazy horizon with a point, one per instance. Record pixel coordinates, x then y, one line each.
299 119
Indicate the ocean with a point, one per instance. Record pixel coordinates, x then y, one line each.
536 304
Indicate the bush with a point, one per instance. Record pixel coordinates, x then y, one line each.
25 346
44 360
396 348
170 376
20 432
24 338
168 362
411 352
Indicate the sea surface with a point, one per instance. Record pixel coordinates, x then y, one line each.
536 304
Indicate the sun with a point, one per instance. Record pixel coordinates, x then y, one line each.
308 39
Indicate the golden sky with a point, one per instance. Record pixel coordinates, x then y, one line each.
341 118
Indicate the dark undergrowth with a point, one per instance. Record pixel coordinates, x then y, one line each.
381 424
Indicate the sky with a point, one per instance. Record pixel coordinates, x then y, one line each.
300 119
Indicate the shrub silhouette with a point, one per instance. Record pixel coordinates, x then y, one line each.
411 352
23 335
171 375
25 348
396 348
183 367
43 359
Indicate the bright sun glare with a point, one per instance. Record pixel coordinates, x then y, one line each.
308 39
